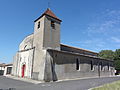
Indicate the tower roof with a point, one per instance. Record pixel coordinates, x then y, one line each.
48 12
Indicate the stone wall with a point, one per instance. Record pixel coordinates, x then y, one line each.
64 65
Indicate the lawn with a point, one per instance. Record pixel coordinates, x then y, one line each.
111 86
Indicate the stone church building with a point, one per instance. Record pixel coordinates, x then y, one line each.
41 56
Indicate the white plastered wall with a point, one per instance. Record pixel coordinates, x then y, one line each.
26 58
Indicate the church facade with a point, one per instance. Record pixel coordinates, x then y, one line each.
41 56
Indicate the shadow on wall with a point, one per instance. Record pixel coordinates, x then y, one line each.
54 75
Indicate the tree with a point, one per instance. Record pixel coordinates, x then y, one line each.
117 54
106 54
117 64
109 54
117 59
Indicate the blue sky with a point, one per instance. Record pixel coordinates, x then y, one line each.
88 24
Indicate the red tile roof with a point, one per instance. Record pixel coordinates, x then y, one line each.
49 13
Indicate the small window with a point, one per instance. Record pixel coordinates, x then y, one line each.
38 25
77 64
9 69
53 24
25 46
108 67
101 66
92 68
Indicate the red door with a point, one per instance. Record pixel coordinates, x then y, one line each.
23 70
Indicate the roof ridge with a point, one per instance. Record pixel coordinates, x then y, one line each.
49 13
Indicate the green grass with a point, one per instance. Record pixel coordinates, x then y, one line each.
111 86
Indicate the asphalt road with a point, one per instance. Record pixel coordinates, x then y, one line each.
82 84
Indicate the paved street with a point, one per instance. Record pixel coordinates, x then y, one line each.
83 84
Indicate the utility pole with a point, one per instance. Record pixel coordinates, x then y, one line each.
99 69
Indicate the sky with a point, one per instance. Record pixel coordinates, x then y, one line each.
88 24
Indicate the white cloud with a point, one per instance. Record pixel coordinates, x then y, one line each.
115 39
91 44
108 22
102 33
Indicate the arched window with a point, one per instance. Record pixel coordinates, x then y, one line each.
108 67
25 46
92 68
101 66
53 24
77 64
38 24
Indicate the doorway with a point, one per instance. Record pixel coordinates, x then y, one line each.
23 70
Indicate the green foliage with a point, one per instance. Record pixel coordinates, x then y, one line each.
117 64
117 59
109 54
117 54
106 54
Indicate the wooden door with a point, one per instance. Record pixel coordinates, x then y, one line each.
23 70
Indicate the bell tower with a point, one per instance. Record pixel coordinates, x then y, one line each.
47 31
46 36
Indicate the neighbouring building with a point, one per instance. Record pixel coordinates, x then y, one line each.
8 69
41 56
2 68
5 69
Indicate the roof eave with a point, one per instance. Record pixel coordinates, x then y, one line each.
49 16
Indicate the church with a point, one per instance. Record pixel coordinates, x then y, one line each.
42 57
